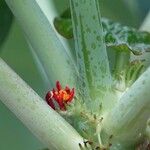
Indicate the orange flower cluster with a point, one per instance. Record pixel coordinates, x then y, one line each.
60 96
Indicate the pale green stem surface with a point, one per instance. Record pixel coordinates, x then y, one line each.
43 122
92 60
54 58
127 120
146 24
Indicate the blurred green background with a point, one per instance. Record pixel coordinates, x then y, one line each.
15 51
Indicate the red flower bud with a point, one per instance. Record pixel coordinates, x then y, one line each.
60 96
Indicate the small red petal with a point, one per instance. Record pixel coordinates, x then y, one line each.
49 100
55 96
53 91
50 103
61 104
58 85
71 96
48 95
67 89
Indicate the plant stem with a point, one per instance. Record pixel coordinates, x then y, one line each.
128 118
43 122
54 58
92 60
146 24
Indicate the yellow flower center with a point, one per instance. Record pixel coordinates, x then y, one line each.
63 94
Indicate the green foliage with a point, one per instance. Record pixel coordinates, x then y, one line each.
120 41
6 18
123 37
93 67
116 35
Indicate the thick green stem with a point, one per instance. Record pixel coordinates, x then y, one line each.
54 58
127 120
146 24
43 122
92 60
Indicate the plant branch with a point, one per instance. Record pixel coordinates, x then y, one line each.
92 60
146 24
43 122
128 118
54 58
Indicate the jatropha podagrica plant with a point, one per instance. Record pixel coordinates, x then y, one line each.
100 87
96 85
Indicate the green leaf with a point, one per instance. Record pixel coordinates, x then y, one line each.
125 37
64 27
116 35
6 18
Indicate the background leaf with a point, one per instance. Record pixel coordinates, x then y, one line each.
6 18
116 35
